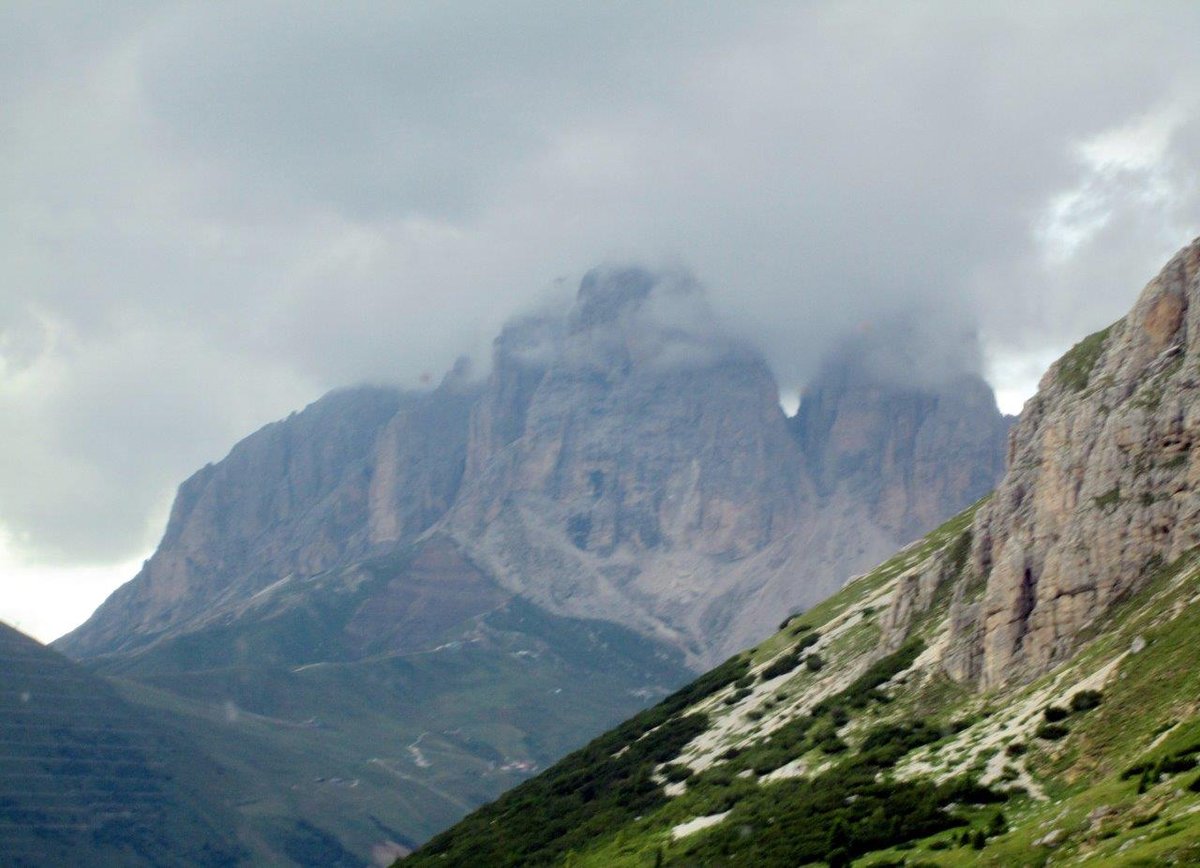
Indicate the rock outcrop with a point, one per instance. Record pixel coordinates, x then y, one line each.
1102 485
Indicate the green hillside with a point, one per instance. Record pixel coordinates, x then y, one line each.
837 741
339 745
87 779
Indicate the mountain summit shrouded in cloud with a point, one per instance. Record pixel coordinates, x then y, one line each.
445 589
613 449
213 213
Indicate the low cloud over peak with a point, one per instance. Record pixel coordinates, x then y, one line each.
215 212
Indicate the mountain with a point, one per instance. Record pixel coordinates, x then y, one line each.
314 491
388 608
88 779
356 712
631 462
628 461
1017 687
905 443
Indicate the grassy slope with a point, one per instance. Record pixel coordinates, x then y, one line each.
87 779
766 762
326 762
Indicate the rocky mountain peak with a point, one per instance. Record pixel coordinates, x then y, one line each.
626 459
879 426
605 294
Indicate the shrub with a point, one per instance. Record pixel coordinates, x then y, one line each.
863 689
1194 786
737 696
967 791
1174 764
1055 713
781 666
807 640
769 760
831 744
1016 748
885 744
1109 499
676 773
1052 731
998 824
814 663
979 839
788 661
1086 700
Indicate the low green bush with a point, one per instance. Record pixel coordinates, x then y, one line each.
1052 732
676 773
1055 713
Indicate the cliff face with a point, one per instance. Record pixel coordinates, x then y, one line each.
319 489
644 436
912 455
613 445
630 461
1102 486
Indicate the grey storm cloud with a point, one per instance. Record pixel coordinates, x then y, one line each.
213 212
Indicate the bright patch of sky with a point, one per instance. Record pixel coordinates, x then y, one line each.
47 601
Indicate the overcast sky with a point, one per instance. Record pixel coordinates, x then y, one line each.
211 213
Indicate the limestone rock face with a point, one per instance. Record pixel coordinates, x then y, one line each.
1102 485
911 454
630 461
418 461
314 491
626 437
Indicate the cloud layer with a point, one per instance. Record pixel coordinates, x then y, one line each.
214 212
